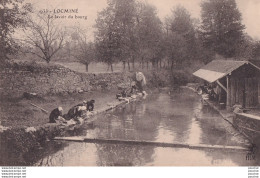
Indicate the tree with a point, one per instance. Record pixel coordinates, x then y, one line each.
128 30
106 36
43 36
12 14
182 23
83 50
149 34
221 28
246 49
256 51
176 49
126 22
115 32
181 40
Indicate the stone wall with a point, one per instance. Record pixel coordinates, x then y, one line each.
17 79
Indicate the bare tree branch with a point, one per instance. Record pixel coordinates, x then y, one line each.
44 34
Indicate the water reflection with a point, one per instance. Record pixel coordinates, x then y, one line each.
163 117
186 157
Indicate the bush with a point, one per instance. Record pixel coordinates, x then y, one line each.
168 78
157 78
181 77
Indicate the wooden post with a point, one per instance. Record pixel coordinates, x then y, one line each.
228 93
244 93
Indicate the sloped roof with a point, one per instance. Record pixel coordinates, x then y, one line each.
255 62
223 66
217 69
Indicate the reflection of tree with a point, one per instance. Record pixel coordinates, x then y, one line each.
45 156
131 122
220 157
124 124
174 116
141 121
18 148
215 130
14 156
70 154
55 159
123 155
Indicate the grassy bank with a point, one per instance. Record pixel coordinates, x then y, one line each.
18 112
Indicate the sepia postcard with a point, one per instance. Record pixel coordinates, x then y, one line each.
129 83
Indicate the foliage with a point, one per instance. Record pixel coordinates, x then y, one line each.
221 28
180 38
108 36
130 31
156 78
127 30
12 14
256 51
149 33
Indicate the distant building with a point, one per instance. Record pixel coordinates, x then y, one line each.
237 82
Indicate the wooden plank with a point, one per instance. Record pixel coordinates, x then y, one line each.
255 131
222 86
76 139
152 143
251 86
39 108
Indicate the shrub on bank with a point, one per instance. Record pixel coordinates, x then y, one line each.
31 66
164 78
179 78
157 78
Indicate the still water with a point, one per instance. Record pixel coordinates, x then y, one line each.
177 116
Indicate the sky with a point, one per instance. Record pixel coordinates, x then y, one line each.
250 10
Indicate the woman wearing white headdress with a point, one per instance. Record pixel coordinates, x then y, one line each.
139 82
55 114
